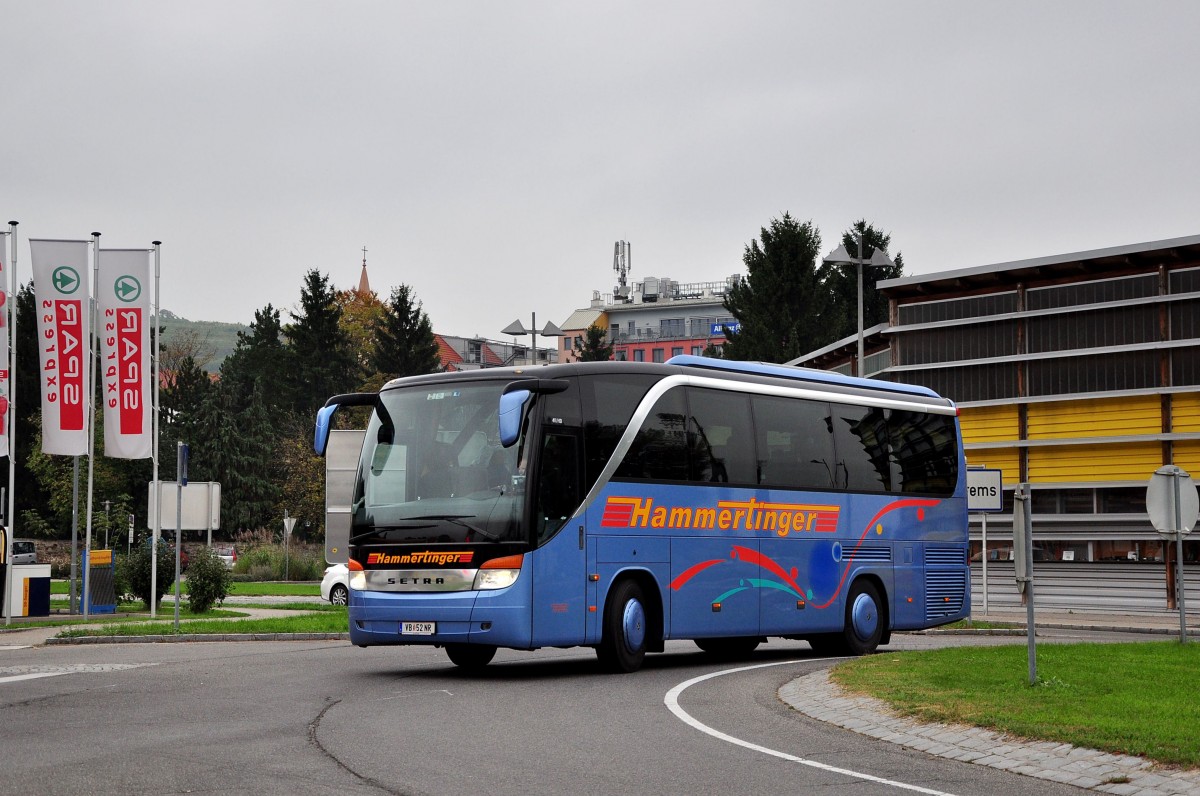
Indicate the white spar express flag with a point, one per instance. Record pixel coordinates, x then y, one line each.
60 286
123 304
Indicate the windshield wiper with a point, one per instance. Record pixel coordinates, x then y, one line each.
458 519
385 531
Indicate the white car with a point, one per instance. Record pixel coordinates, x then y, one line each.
335 584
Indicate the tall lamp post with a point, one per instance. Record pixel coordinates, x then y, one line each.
517 330
840 256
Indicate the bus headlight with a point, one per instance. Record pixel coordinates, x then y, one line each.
499 573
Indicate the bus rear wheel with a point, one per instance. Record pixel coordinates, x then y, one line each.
623 642
864 628
470 656
729 648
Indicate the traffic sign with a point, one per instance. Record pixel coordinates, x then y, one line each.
288 524
985 489
1168 486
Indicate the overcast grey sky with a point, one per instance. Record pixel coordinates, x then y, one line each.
490 153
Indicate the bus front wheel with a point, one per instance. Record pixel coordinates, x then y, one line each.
470 656
623 641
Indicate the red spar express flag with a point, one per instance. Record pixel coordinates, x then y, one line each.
123 304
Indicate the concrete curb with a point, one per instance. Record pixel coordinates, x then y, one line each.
816 696
188 637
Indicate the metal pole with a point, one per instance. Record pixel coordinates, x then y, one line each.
11 425
74 527
287 540
859 369
985 557
91 427
178 522
1177 476
155 521
1029 619
533 348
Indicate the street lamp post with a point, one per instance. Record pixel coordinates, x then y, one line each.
840 256
517 330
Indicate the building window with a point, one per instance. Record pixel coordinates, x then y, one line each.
639 355
697 351
671 327
677 351
657 355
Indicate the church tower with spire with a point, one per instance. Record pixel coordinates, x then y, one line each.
364 287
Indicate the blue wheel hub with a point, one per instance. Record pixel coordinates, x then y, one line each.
633 625
864 616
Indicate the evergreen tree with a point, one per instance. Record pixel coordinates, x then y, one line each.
259 358
594 347
320 361
781 304
404 340
237 449
841 281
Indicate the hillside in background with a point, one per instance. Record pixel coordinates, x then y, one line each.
220 337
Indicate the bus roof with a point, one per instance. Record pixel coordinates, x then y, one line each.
800 374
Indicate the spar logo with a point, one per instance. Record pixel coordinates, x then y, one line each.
728 515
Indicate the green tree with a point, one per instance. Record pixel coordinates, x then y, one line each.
404 340
841 281
320 361
781 304
238 450
594 346
259 358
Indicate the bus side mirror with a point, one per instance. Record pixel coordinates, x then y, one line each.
512 411
321 433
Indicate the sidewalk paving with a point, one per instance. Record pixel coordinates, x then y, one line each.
816 696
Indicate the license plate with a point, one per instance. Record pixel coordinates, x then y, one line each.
418 628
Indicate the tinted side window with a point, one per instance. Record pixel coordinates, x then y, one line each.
720 437
860 435
925 452
659 452
795 444
608 403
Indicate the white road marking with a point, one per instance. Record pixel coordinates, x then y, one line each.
672 702
18 677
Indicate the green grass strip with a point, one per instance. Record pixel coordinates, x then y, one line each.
1137 699
315 622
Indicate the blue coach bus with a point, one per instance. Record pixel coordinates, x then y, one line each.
619 504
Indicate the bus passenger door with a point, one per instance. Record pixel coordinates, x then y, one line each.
558 563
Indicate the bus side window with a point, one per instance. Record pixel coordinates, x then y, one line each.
795 449
719 437
860 435
558 484
659 451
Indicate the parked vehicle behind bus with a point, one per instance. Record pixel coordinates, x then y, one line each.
618 505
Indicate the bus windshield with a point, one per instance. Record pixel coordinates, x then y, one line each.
432 469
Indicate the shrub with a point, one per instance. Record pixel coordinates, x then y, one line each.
135 572
208 580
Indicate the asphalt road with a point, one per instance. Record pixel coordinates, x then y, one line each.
324 717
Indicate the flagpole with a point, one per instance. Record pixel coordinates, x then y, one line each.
91 423
156 522
10 424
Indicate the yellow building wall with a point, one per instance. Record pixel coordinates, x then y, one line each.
1115 462
1103 417
1185 411
1187 455
989 423
1005 459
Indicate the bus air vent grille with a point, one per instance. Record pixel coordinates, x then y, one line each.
944 593
956 556
867 553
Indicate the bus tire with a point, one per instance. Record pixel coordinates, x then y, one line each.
623 642
731 648
865 618
470 656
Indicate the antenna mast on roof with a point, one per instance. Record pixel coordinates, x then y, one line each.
622 264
